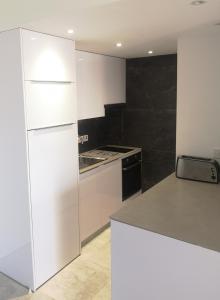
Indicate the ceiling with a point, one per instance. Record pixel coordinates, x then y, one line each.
140 25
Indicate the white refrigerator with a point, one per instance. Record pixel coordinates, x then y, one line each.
39 219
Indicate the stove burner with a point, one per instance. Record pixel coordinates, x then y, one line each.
99 154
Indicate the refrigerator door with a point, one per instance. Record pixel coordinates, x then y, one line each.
49 104
53 167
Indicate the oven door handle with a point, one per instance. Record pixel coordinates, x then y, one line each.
131 166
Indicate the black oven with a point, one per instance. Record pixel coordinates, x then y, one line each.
131 175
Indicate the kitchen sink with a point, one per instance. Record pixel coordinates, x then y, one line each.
85 162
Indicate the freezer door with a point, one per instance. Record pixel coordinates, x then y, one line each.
53 166
49 104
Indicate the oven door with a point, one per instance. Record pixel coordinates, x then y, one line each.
131 179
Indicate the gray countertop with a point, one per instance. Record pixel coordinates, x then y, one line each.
185 210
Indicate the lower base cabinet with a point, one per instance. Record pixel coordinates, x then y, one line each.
100 195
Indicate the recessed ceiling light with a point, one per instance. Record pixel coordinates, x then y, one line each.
70 31
119 44
198 2
150 52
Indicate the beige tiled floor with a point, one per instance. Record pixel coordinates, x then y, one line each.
86 278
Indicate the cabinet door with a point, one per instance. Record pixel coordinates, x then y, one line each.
54 199
115 78
89 204
47 58
49 104
110 190
90 78
100 195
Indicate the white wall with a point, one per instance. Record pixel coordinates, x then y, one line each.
198 93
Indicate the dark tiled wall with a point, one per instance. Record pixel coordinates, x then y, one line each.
102 131
148 120
94 129
150 116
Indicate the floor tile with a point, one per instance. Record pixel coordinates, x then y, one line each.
10 288
86 278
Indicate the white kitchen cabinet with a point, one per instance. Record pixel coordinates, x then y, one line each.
47 58
39 230
100 81
100 195
89 79
110 190
89 204
115 80
50 103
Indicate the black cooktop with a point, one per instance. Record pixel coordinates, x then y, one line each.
115 149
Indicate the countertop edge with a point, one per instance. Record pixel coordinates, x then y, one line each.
167 236
111 159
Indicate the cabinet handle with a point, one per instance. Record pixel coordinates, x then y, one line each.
132 166
53 127
51 82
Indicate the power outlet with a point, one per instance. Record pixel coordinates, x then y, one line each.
216 153
83 138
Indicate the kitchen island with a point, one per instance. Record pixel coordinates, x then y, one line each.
166 243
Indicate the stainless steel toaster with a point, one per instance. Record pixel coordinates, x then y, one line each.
197 168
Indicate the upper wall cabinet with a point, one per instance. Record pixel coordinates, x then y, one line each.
47 58
89 82
100 80
114 80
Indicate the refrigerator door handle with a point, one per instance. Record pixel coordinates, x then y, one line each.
51 127
50 81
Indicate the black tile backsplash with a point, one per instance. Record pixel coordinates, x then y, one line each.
94 129
148 120
103 131
114 123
